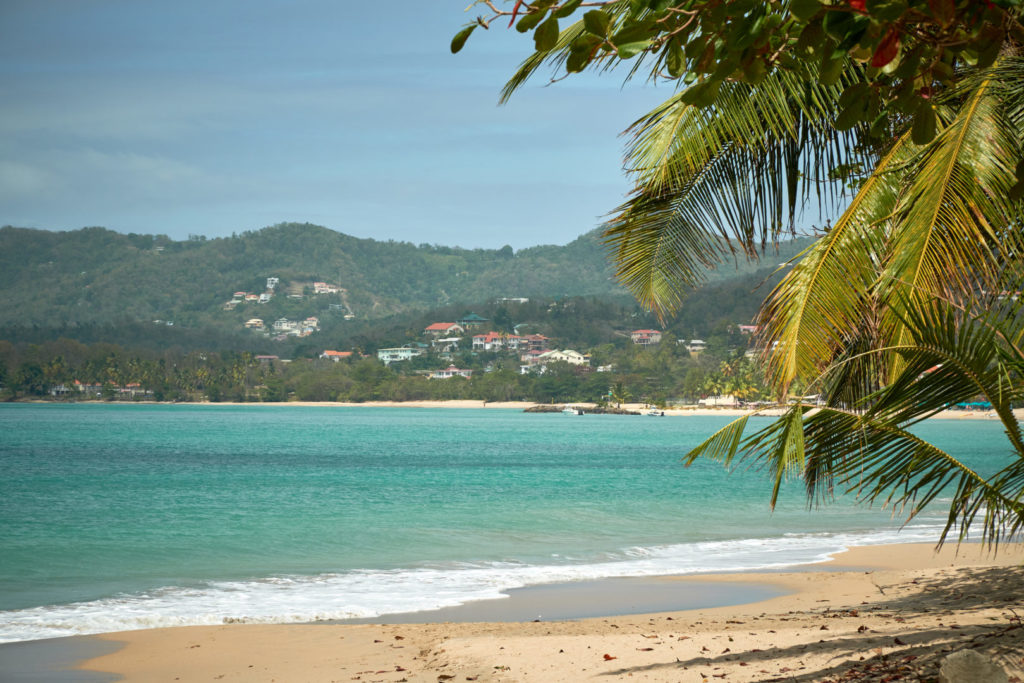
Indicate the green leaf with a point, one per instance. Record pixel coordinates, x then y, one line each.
754 72
830 69
674 59
597 22
854 92
630 50
851 115
546 36
530 20
567 9
702 94
804 9
886 10
460 38
811 38
988 51
634 33
924 123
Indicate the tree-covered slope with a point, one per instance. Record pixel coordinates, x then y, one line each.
94 275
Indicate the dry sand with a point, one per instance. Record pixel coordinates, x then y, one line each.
882 613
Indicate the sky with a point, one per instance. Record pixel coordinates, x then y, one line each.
215 117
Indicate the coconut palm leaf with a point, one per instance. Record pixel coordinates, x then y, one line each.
818 308
955 353
949 228
713 181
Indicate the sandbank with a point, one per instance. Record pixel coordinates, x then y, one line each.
871 614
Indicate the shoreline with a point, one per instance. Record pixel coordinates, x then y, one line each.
464 404
871 609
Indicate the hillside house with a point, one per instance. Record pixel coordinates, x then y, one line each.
450 371
272 282
645 337
265 298
325 288
696 345
230 305
534 342
335 355
267 359
285 325
446 344
388 356
535 361
472 321
252 298
495 341
748 329
239 296
444 329
254 323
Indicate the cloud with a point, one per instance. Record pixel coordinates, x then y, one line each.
19 179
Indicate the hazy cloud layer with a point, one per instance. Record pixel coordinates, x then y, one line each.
214 117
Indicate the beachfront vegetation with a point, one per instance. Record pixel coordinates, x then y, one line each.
65 369
905 121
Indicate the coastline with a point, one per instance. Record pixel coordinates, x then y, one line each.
876 611
463 404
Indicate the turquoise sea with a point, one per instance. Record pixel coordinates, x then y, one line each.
117 517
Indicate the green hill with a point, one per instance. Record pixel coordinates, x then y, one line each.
96 276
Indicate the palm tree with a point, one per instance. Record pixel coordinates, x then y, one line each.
903 276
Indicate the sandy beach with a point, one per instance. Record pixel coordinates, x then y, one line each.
877 613
686 411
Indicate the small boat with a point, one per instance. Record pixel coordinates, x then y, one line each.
654 412
572 410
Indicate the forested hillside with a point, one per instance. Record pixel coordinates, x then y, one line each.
95 276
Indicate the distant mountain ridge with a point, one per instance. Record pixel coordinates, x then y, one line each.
95 275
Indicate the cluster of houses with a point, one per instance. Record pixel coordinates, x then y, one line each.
251 298
286 328
132 390
445 337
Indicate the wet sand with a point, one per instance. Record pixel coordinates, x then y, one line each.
874 613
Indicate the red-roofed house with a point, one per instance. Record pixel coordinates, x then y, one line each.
335 355
444 329
645 337
492 341
534 342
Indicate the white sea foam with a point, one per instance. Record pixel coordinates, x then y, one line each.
372 593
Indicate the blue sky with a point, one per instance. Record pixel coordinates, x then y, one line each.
216 117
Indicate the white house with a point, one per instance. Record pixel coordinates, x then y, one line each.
388 356
645 337
696 345
272 282
325 288
265 297
450 371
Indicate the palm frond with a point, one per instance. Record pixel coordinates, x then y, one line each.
812 314
714 181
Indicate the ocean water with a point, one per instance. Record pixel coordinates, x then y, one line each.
116 517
